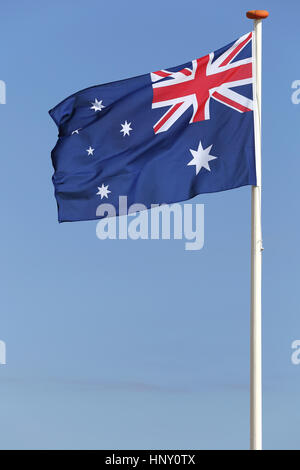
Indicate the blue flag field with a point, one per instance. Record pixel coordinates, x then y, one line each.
161 137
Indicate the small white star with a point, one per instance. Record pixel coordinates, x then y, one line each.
90 151
201 158
76 131
103 191
97 105
126 128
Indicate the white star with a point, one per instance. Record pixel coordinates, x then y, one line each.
76 131
201 158
126 128
90 151
103 191
97 105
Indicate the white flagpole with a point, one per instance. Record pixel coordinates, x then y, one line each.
256 250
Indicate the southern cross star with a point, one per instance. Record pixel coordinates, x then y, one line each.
76 131
90 151
201 157
103 191
126 128
97 105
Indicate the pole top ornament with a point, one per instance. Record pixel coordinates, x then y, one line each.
257 14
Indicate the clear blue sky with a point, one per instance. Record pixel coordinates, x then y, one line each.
140 344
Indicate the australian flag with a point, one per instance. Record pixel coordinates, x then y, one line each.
158 138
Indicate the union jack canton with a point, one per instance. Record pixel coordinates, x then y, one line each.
158 138
206 79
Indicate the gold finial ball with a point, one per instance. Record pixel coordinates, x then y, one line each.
257 14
